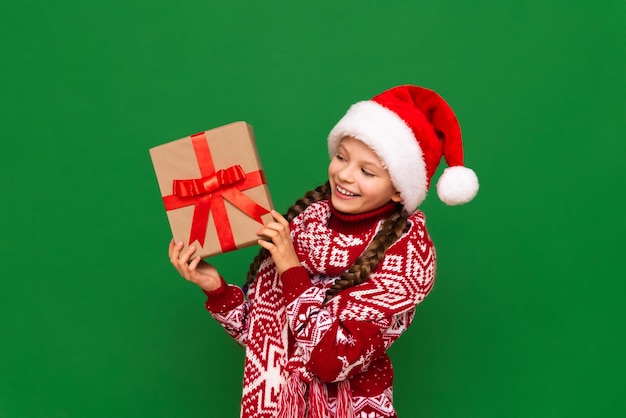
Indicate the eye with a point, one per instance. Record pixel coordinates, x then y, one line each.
339 157
367 173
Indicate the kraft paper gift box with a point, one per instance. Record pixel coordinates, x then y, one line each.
213 188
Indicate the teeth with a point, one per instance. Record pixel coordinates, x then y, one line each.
344 191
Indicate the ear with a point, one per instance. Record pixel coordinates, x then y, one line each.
396 197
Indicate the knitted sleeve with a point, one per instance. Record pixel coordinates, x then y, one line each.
229 307
343 337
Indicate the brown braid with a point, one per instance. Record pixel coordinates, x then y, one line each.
320 193
390 231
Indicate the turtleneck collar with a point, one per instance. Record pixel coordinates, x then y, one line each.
352 224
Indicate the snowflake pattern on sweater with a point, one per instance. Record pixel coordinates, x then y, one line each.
287 329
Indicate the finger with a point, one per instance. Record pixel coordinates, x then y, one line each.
274 226
185 266
269 233
175 254
268 245
170 248
193 264
279 228
279 218
186 256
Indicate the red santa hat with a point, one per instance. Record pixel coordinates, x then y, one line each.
410 128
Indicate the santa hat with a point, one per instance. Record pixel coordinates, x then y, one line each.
410 128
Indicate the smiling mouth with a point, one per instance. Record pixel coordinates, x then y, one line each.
345 192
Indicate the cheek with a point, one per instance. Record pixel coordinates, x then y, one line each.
332 169
377 188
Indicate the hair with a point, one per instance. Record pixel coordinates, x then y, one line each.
391 229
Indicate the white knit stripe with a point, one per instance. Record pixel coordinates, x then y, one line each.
393 141
266 353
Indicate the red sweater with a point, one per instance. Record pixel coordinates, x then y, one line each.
346 339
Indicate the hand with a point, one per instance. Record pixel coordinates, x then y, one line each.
281 246
197 271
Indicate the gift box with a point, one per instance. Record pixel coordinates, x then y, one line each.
213 188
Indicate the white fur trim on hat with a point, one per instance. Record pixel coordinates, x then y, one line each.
394 143
457 185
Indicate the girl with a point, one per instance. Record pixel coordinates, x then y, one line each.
337 280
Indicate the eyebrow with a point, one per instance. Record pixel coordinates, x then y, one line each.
375 165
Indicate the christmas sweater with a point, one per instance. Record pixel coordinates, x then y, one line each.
307 358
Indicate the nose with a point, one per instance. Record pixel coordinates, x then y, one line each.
346 174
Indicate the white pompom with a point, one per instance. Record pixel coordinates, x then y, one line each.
457 185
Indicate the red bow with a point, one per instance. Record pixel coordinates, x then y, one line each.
209 184
205 194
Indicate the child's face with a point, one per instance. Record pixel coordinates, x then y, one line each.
359 182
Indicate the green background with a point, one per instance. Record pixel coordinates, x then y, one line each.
527 316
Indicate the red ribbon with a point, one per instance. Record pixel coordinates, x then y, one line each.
209 184
206 192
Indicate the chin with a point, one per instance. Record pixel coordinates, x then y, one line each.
342 206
